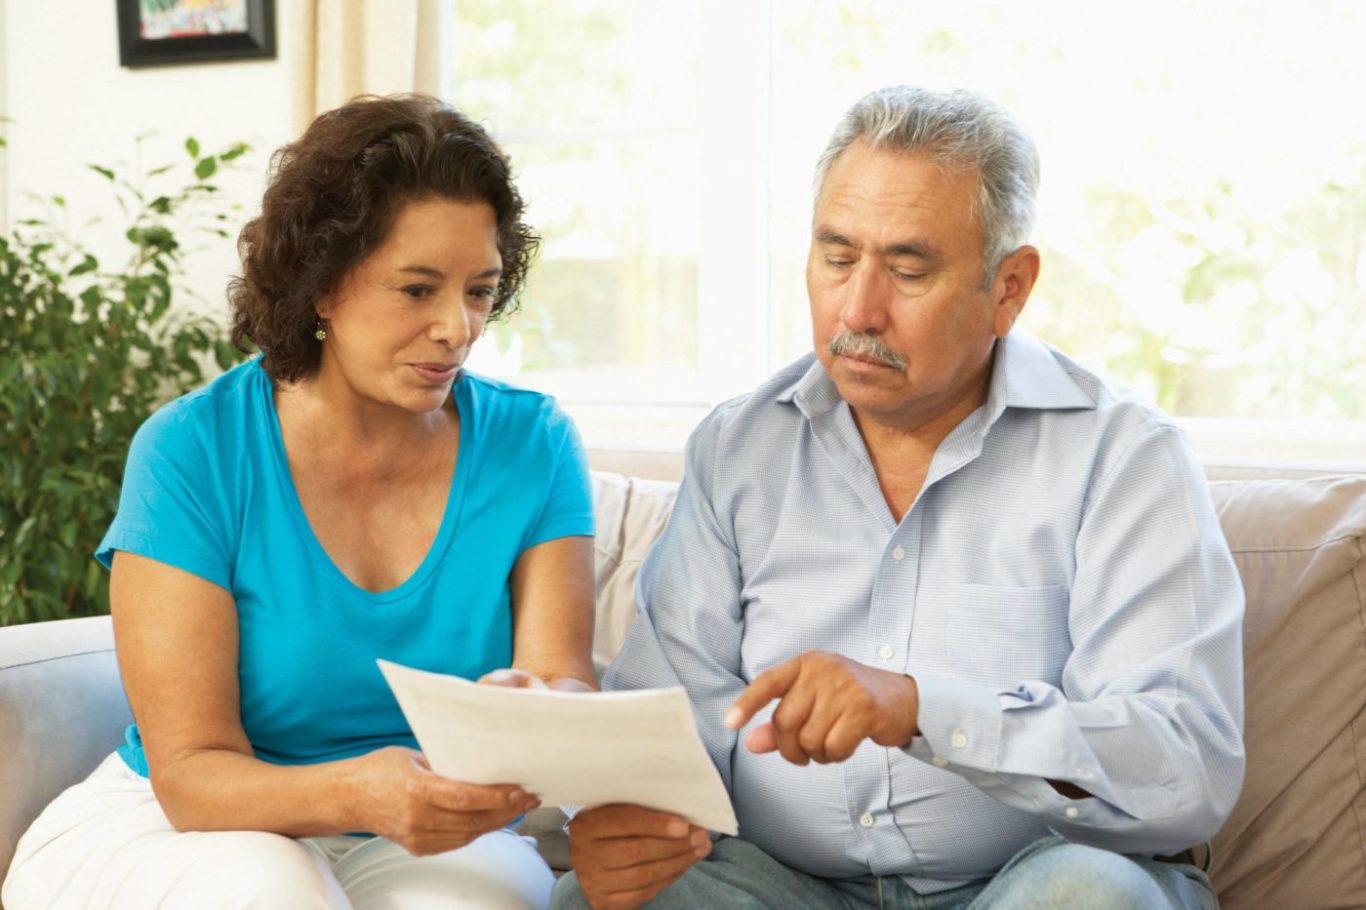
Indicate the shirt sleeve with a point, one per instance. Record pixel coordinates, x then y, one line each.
168 505
1148 719
568 510
689 623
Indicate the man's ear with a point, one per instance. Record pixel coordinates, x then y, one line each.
1015 279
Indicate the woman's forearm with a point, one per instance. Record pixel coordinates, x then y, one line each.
220 789
390 792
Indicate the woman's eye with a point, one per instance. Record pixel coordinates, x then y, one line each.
484 295
417 291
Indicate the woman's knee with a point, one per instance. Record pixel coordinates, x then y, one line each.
208 870
255 869
499 871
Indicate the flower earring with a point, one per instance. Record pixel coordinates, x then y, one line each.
320 332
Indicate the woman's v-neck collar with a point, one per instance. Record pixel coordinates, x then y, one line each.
460 399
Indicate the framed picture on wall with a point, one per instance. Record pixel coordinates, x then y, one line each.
156 32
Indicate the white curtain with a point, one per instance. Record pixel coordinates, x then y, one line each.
351 47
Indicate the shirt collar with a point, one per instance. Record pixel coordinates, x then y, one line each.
1026 373
1029 374
814 393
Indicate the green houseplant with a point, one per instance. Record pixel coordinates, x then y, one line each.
86 354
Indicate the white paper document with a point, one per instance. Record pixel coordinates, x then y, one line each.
569 749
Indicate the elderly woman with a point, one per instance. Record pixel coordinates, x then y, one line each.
348 495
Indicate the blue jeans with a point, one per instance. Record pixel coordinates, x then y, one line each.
1049 874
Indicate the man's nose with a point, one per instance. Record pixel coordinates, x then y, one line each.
867 298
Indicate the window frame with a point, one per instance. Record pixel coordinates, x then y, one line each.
736 348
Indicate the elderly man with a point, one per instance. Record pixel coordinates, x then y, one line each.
956 618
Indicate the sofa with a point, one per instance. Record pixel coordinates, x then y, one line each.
1295 840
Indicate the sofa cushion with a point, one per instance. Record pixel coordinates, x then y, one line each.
630 514
62 710
1297 837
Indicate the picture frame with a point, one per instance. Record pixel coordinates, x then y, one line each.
161 32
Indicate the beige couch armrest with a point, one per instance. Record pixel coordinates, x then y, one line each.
62 709
1296 836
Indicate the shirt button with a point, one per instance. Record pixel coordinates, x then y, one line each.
898 554
886 652
940 761
865 820
1071 812
958 740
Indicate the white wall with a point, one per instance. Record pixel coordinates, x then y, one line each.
71 104
4 106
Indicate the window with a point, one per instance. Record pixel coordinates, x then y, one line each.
1202 216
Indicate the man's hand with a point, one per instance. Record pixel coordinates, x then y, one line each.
829 704
625 855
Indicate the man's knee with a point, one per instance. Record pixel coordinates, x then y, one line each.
737 874
567 894
1072 877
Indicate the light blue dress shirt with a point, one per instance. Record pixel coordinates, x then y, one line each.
1060 590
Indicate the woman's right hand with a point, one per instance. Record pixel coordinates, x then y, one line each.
398 796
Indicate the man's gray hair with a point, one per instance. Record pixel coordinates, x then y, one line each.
960 130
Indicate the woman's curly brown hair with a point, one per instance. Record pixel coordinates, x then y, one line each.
333 196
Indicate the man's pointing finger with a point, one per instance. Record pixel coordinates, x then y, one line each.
768 685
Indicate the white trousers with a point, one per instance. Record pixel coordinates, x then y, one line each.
105 844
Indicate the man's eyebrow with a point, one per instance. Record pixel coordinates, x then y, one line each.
826 235
914 248
917 248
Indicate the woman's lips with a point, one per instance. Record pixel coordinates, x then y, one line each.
435 373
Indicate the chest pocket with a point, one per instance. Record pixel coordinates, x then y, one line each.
1000 635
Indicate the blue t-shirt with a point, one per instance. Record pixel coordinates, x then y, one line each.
207 489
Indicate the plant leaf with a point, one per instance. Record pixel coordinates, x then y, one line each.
88 353
88 264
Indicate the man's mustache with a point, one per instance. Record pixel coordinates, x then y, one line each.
864 344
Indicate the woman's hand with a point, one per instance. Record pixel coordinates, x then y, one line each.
399 797
521 679
513 679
